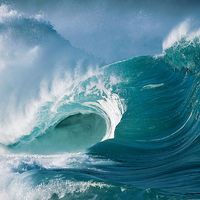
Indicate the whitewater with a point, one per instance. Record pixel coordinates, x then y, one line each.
74 128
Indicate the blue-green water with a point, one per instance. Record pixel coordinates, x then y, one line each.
74 129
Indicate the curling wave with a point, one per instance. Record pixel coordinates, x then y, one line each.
66 87
136 122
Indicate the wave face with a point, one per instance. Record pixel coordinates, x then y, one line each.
70 129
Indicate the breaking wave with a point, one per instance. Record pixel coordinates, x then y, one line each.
136 122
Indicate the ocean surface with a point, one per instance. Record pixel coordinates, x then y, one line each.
74 128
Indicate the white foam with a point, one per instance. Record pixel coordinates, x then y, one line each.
61 188
110 106
14 185
176 34
182 31
112 110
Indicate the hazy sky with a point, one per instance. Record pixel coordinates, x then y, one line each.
113 30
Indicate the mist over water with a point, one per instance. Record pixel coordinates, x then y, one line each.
75 126
114 30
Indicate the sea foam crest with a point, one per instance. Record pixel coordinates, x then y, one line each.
176 34
181 31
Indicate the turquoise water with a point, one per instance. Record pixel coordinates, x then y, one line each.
72 128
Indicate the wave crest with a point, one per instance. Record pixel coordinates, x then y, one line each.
182 47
